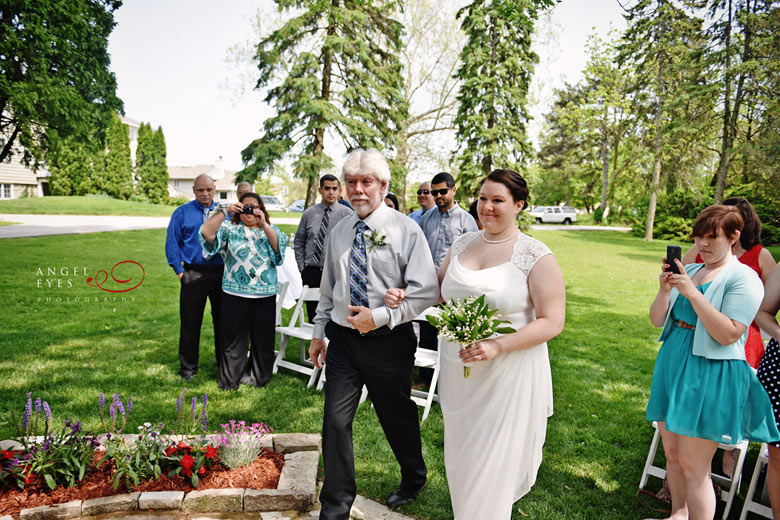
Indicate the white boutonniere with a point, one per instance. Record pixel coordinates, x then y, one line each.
378 238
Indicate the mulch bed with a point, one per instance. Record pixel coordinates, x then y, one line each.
263 473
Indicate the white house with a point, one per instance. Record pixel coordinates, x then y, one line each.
182 178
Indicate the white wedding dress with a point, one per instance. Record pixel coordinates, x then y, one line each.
495 421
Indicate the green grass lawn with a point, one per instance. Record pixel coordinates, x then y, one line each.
68 351
88 205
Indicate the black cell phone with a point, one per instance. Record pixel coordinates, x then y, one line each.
673 252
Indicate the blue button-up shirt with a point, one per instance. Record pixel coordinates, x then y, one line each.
441 230
417 215
182 244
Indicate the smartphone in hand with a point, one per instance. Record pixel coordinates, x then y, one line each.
673 252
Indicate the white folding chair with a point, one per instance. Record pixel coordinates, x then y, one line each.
298 328
729 484
283 286
751 504
427 358
321 383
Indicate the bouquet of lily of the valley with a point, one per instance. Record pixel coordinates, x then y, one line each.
467 321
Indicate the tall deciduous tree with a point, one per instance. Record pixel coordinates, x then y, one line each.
55 80
496 67
332 68
151 169
116 178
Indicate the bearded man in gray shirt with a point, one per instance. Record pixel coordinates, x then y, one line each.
368 253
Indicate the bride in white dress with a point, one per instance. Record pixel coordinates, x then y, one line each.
495 421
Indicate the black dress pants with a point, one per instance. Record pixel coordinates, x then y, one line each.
197 284
384 364
311 276
244 320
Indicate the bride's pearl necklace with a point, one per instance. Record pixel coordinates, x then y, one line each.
500 241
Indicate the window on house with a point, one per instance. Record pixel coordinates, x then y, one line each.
5 191
175 183
222 195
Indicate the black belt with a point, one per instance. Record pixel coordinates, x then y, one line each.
381 331
198 267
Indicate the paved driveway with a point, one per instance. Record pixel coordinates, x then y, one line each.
44 225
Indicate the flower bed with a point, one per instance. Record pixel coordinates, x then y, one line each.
71 465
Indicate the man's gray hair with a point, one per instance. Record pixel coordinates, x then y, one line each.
371 161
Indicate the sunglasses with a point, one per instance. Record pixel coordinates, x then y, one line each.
423 192
442 191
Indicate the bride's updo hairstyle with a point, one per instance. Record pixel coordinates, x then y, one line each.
514 183
718 217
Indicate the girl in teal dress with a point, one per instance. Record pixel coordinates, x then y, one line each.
702 386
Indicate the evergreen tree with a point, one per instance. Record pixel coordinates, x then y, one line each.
496 67
332 68
151 167
72 168
116 178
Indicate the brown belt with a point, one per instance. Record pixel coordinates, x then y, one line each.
684 325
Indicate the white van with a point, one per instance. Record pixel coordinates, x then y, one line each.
554 214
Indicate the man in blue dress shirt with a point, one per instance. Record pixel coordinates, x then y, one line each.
199 273
425 199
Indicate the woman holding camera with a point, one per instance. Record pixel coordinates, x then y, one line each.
702 386
252 249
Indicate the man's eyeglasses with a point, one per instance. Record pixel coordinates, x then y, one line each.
423 192
442 191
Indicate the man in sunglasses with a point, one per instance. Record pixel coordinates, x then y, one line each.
425 199
441 227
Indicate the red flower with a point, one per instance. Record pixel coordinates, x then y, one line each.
170 450
202 470
8 454
211 452
186 472
182 446
187 462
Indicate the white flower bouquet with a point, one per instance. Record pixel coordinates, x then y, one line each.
467 321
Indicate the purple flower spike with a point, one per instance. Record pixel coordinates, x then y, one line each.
116 399
205 400
47 410
38 406
194 406
120 407
112 412
102 400
130 406
178 404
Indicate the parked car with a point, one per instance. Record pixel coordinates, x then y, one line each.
554 214
272 203
298 206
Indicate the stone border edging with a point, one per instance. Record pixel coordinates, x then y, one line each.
297 490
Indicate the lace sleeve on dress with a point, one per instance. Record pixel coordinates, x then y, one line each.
527 252
460 243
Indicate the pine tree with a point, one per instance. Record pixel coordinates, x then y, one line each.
72 168
116 178
496 67
157 188
334 69
151 169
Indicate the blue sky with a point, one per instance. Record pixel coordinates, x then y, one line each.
169 57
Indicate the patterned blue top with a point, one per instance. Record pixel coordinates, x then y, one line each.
250 261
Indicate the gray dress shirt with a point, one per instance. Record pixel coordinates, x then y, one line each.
405 262
441 230
310 226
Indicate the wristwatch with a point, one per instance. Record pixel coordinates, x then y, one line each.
223 208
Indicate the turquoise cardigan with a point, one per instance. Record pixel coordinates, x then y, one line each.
737 292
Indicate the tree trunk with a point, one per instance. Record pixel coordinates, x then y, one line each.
319 133
658 148
8 145
402 156
604 152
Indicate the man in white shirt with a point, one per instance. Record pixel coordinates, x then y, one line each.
368 253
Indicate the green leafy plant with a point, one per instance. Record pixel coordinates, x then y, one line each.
190 460
468 320
139 460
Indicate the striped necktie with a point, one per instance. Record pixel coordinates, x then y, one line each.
358 270
319 242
